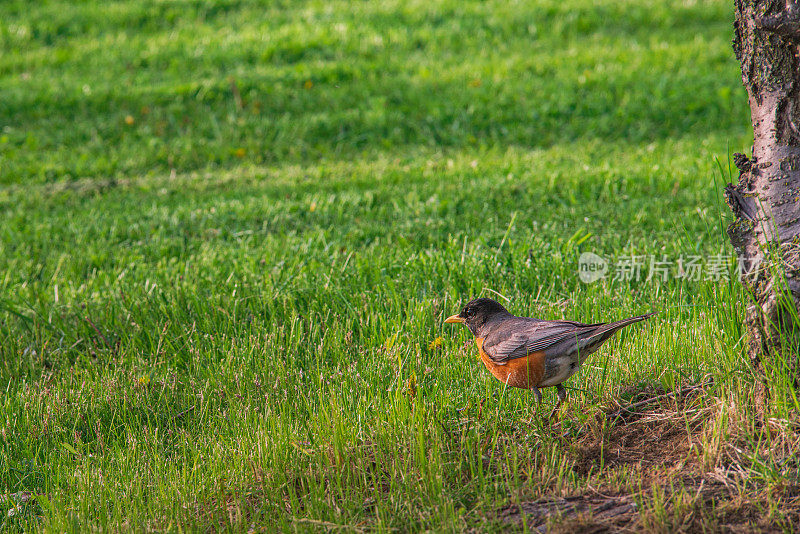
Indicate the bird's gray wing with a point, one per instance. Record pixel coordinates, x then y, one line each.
520 340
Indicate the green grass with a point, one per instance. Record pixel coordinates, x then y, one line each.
231 231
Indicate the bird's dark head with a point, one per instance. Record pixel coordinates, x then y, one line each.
477 313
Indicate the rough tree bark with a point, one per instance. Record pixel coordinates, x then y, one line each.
766 199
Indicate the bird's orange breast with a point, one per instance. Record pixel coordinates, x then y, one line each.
524 373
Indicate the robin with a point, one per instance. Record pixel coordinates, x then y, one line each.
532 353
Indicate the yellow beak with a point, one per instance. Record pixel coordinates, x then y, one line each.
454 319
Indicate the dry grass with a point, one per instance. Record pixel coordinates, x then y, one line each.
689 464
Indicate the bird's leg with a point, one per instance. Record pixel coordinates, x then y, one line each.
538 395
562 394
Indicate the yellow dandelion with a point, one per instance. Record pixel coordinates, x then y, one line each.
435 344
411 386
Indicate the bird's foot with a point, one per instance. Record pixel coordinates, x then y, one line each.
562 395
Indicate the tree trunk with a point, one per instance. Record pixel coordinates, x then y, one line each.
766 199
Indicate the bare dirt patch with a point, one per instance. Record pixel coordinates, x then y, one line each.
648 443
590 513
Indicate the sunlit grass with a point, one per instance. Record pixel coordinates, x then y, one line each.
230 234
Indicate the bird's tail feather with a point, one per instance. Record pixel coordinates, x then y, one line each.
616 325
609 329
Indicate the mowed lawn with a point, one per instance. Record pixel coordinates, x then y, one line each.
230 232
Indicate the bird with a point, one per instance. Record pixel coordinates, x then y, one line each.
529 353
